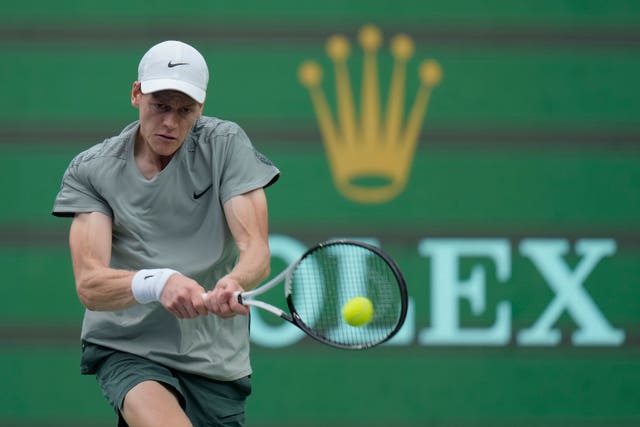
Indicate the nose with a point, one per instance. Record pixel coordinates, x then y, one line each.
170 120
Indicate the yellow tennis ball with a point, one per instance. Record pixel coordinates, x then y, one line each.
358 311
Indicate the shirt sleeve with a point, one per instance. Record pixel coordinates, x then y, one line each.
245 168
77 194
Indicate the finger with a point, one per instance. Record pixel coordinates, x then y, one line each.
223 296
183 309
190 311
199 304
225 310
208 302
214 307
238 308
182 313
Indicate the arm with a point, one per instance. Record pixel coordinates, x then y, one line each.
247 217
101 288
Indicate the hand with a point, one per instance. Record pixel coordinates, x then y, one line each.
221 300
182 296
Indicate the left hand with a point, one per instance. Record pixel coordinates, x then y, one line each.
221 302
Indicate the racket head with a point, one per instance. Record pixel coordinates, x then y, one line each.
331 274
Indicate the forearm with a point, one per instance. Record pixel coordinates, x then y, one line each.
109 290
99 287
247 219
253 265
105 289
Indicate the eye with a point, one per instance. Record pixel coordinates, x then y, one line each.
160 107
185 111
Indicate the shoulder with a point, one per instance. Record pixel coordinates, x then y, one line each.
212 129
113 148
216 139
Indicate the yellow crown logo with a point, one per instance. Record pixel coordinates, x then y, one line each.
370 160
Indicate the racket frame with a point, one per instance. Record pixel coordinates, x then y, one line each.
248 297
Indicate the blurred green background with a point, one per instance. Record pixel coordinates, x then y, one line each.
532 136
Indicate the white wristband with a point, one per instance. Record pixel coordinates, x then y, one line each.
147 285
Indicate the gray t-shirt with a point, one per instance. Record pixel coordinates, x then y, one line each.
174 220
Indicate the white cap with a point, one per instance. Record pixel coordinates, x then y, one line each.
174 65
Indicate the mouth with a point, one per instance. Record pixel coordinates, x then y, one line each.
166 138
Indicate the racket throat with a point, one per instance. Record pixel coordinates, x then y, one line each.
268 307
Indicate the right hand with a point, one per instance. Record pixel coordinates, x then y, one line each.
222 300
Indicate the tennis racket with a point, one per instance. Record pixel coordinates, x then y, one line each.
328 276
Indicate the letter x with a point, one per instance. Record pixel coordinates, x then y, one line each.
547 256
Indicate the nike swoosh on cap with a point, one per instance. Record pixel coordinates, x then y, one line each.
175 64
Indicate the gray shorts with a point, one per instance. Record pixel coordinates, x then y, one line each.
206 402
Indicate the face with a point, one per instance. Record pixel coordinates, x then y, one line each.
166 117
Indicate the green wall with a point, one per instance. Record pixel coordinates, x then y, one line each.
532 136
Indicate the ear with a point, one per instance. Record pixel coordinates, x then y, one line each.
136 93
200 108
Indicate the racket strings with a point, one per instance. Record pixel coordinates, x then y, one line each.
326 279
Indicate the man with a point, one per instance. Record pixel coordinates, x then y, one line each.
169 220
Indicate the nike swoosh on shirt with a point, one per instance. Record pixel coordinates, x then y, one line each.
175 64
196 196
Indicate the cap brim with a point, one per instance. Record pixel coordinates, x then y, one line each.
156 85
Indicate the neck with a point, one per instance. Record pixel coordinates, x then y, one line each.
149 162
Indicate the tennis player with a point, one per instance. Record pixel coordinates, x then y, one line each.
167 210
